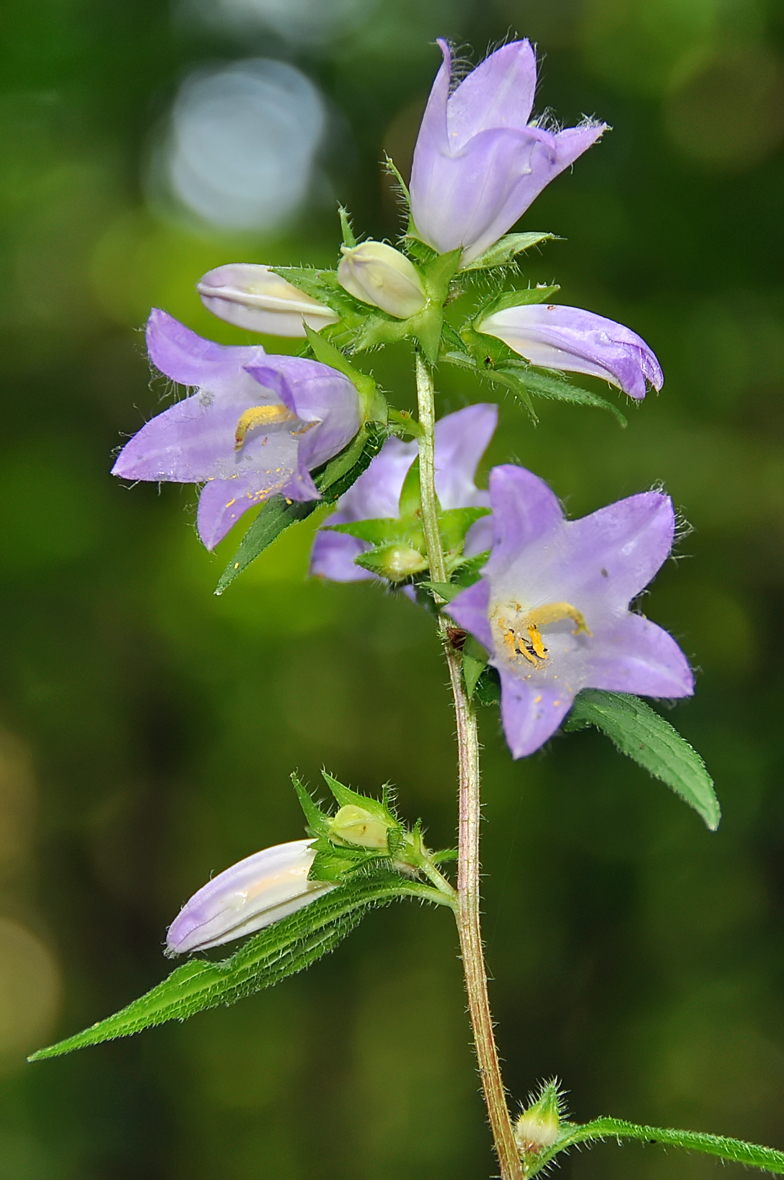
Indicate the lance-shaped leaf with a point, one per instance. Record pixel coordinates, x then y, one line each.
643 735
278 513
288 946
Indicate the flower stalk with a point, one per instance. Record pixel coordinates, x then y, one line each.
467 914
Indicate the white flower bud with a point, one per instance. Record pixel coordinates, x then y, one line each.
380 275
355 825
250 895
254 297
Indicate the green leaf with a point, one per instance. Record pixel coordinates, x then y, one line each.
643 735
556 388
288 946
278 514
488 687
474 663
732 1150
447 590
503 252
454 523
410 501
326 352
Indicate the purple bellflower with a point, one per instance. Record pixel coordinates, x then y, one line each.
552 606
252 894
558 337
257 425
478 162
460 441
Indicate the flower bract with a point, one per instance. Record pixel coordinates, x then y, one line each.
460 441
478 162
559 337
250 895
552 605
256 426
254 297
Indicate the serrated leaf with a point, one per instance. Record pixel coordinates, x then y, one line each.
556 388
278 514
640 733
503 252
288 946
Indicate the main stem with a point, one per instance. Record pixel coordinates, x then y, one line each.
468 914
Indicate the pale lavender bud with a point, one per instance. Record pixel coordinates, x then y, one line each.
380 275
254 297
250 895
559 337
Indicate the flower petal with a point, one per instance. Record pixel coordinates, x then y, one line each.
498 93
191 360
560 337
531 712
470 608
461 440
635 655
524 509
332 557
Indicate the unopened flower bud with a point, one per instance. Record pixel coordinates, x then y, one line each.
378 274
539 1126
253 296
250 895
355 825
394 562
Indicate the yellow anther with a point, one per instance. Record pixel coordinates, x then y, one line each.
553 612
260 416
536 642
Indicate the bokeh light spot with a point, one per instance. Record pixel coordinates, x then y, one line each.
29 989
241 147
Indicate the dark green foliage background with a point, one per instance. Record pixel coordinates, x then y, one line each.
634 953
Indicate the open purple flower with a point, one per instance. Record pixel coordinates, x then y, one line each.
478 162
552 606
257 425
558 337
250 895
460 441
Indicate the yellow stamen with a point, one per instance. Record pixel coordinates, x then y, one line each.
553 612
260 416
522 637
536 642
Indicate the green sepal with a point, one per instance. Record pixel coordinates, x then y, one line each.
555 388
316 819
323 285
474 663
445 590
341 863
278 514
379 808
282 949
446 854
383 530
519 297
640 733
488 687
349 238
328 354
414 246
391 167
410 502
454 523
504 251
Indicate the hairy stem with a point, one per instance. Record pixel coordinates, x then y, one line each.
468 914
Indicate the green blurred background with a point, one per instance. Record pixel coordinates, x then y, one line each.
148 727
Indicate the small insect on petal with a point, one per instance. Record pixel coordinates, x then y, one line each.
250 895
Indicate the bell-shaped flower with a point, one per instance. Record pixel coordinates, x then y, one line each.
478 162
558 337
552 605
254 297
256 426
460 441
380 275
252 894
